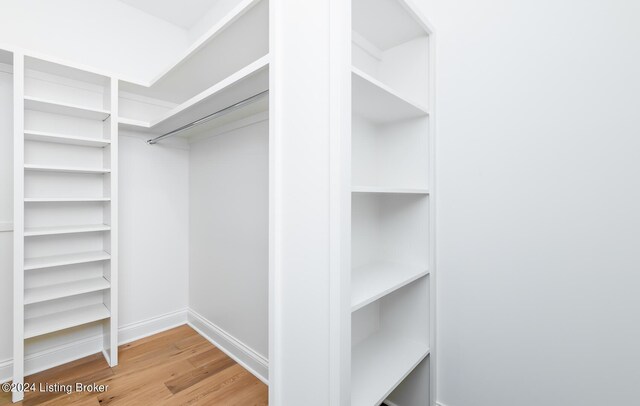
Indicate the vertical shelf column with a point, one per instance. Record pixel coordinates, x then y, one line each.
18 226
432 216
111 215
306 294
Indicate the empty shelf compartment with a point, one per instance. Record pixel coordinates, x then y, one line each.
67 259
371 282
379 364
60 290
51 106
37 326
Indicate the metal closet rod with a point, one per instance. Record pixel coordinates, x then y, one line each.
210 117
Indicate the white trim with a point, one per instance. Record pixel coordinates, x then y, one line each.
342 39
55 356
234 348
411 8
18 224
6 367
389 403
6 226
154 325
74 350
105 354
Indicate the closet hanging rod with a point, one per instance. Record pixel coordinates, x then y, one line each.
210 117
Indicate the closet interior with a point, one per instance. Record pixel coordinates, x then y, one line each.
67 122
214 102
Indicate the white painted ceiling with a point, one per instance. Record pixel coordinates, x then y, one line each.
183 13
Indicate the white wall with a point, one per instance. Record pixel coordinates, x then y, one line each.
538 161
229 213
106 34
154 229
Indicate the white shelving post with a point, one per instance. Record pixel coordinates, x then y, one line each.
111 215
18 225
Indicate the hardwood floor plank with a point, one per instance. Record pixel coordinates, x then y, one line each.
191 341
182 382
210 355
208 391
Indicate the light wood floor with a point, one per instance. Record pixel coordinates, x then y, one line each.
176 367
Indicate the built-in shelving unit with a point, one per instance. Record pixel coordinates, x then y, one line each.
65 205
229 64
392 230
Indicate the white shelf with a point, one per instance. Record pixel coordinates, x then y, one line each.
65 199
37 231
51 106
230 18
378 189
387 23
248 81
57 291
43 136
66 169
59 321
67 259
370 283
379 103
133 124
379 364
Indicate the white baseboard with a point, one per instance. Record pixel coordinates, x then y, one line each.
74 350
154 325
241 353
6 226
388 403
